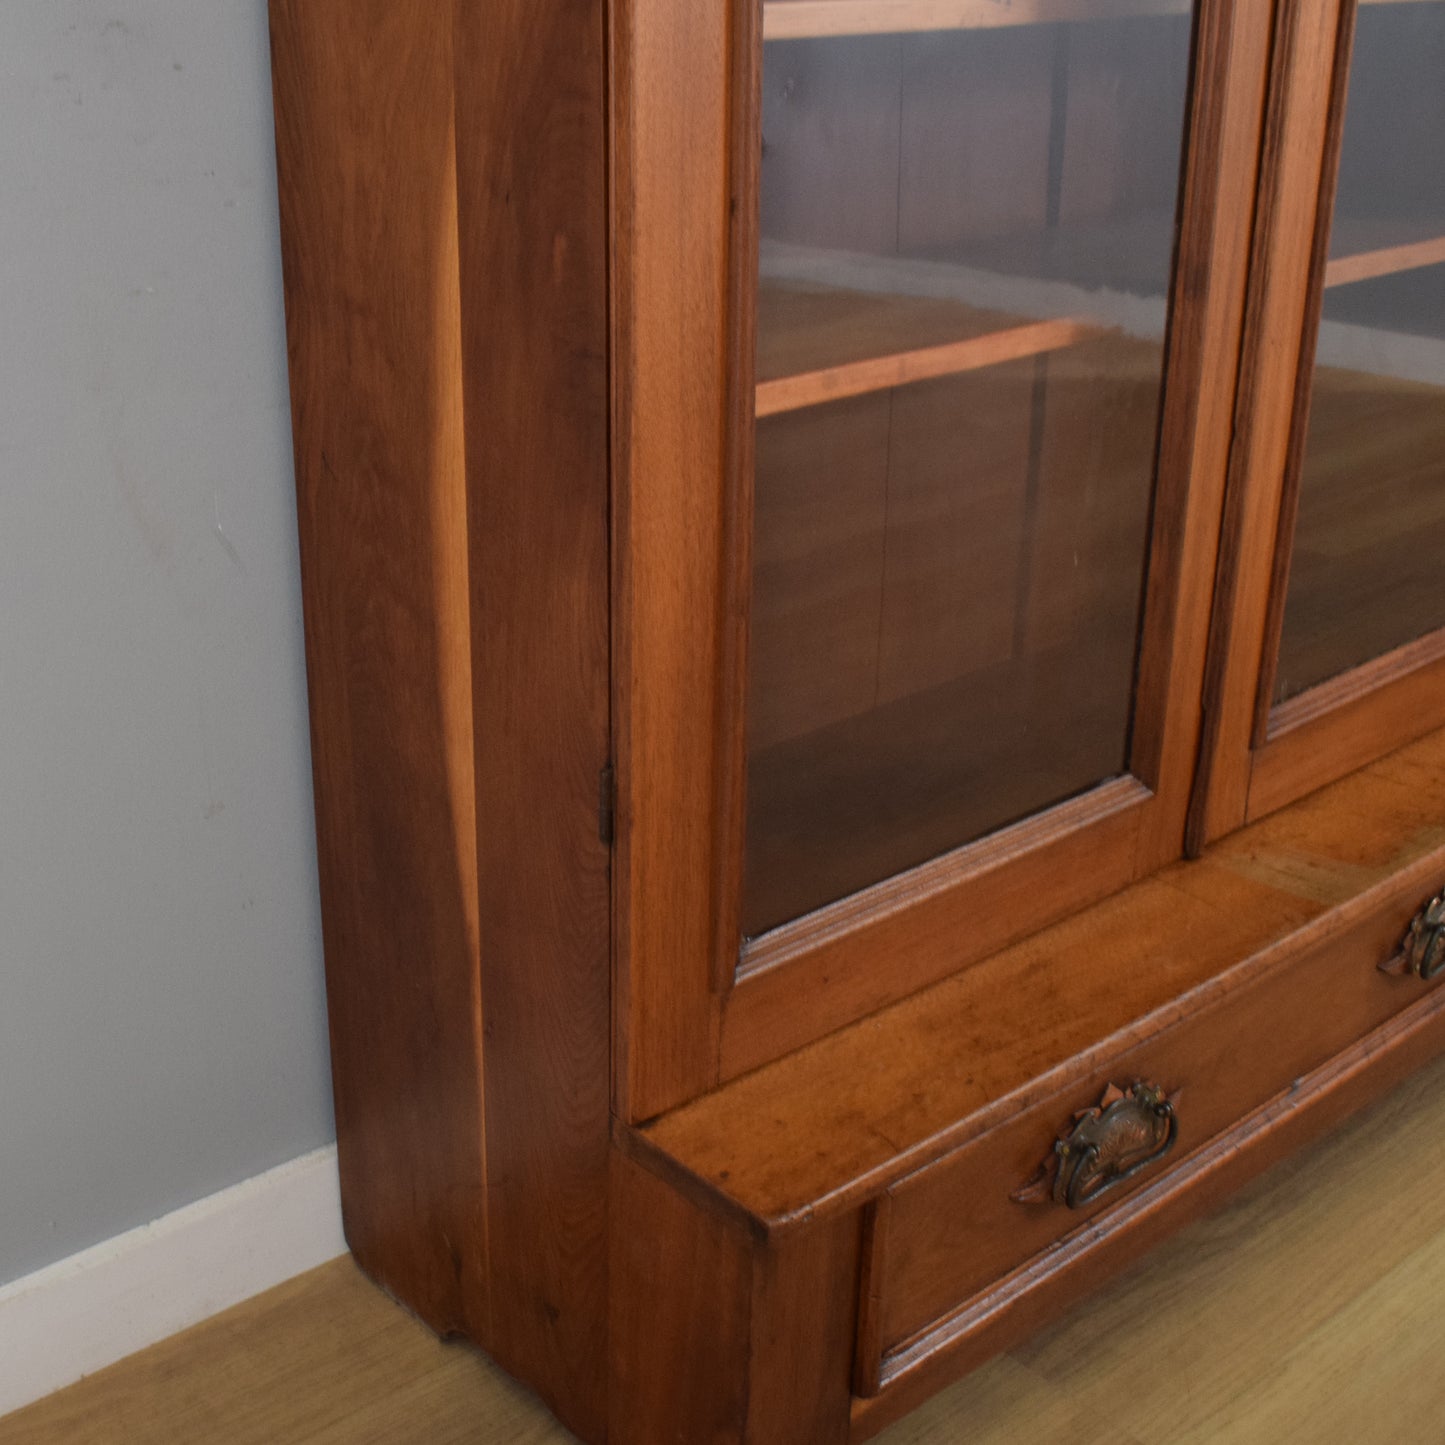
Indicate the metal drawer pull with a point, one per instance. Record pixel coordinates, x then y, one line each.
1112 1142
1423 950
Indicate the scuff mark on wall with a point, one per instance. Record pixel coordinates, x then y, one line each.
222 538
149 521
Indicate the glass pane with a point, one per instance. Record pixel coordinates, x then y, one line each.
1365 576
966 248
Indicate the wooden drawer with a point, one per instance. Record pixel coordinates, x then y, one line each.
944 1237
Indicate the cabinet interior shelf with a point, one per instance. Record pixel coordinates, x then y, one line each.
1385 261
882 373
817 19
826 343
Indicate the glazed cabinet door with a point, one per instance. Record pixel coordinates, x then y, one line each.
927 317
1332 637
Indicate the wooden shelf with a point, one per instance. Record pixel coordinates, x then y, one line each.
836 324
803 19
1387 261
823 343
835 337
882 373
820 19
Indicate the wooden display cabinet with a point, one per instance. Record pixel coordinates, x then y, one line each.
877 674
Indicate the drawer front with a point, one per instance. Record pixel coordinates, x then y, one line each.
944 1235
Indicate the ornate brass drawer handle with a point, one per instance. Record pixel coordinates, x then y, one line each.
1423 950
1124 1133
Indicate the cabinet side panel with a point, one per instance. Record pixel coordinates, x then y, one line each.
681 1315
804 1327
368 208
531 154
722 1335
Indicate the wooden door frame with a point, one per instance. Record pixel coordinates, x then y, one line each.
692 1007
1258 756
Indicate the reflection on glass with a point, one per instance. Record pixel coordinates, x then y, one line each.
1365 576
966 247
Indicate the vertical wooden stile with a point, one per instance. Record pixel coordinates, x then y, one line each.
369 236
531 169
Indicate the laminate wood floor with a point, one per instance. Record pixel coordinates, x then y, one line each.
1309 1310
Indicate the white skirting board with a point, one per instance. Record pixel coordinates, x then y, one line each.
83 1313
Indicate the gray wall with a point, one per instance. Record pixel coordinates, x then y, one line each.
162 1031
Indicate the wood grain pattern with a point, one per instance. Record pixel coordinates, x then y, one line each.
1315 1103
1088 540
1234 43
531 147
1346 723
957 534
805 1297
325 1359
679 1329
670 354
717 1338
381 486
1225 1058
881 373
